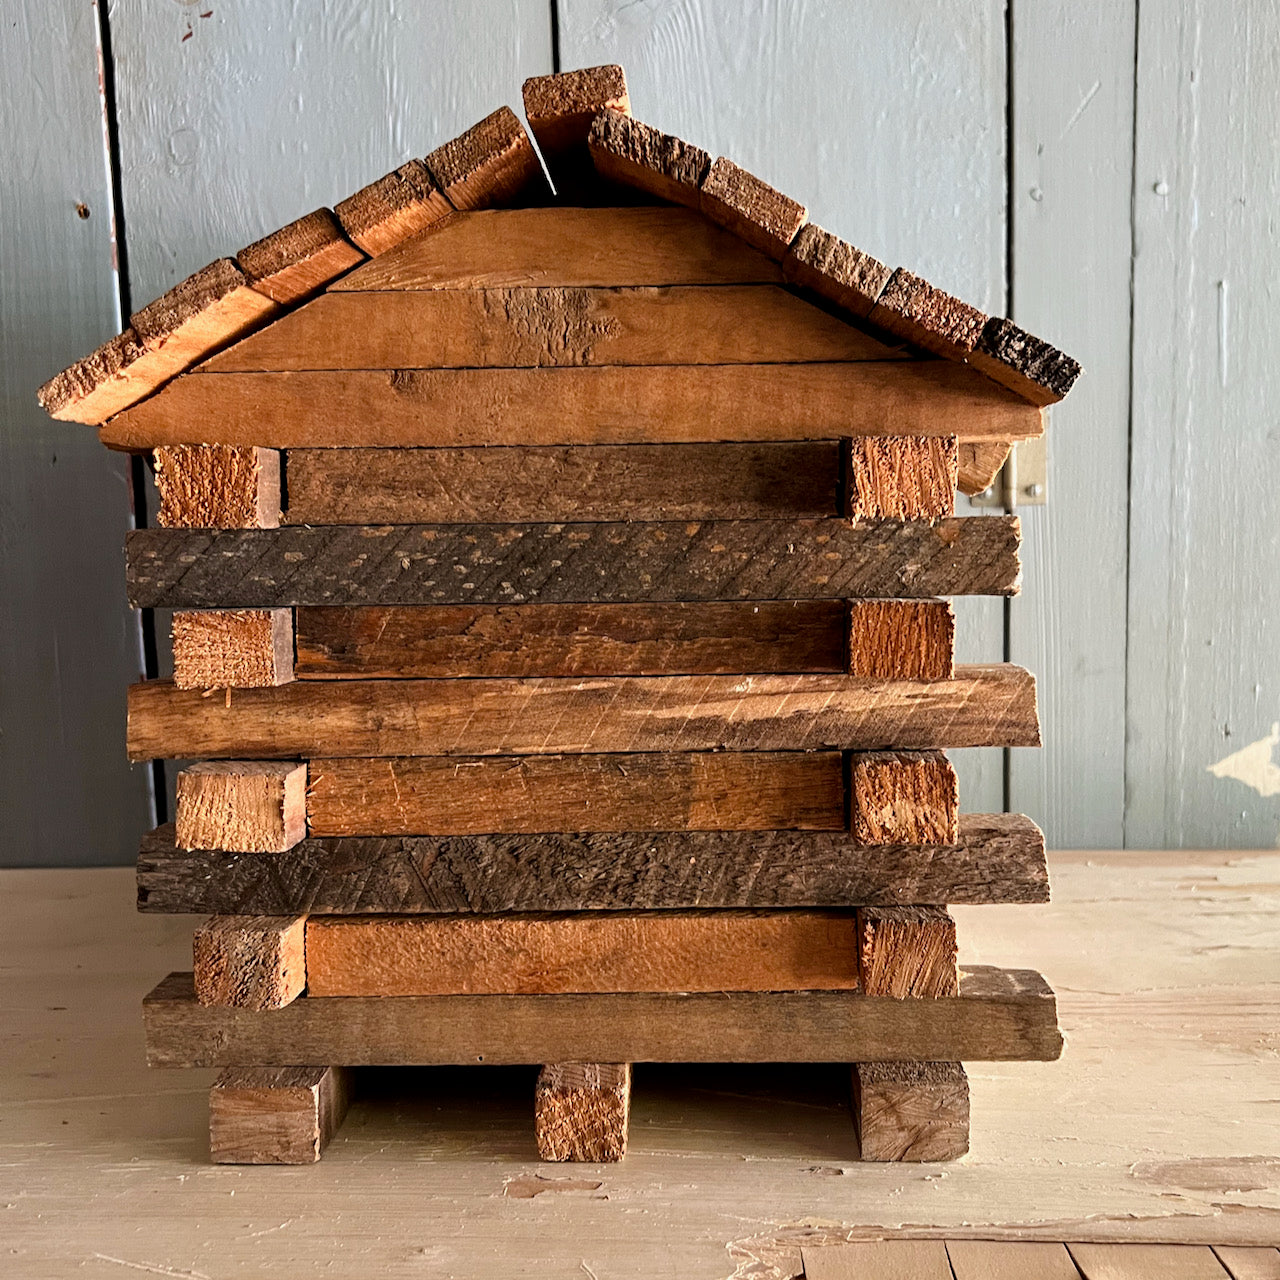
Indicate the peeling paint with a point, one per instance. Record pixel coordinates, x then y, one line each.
1253 765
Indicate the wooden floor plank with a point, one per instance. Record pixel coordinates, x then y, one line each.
1010 1260
1249 1264
1147 1262
878 1260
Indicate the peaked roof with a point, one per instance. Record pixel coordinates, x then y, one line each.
595 153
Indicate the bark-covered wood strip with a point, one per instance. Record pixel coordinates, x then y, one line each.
551 327
835 270
999 1015
568 246
911 308
573 482
580 563
628 151
492 163
1024 363
561 107
651 791
393 209
750 208
983 706
292 263
607 405
999 858
453 641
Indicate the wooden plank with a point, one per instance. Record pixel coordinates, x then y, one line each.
637 155
1147 1262
835 270
907 952
911 1111
232 648
579 482
275 1115
581 1110
579 563
569 246
242 806
250 962
878 1260
650 791
750 208
560 109
607 405
1000 1015
902 639
1244 1263
454 641
1010 1260
978 464
913 309
983 706
492 163
1035 369
999 858
588 951
299 259
903 797
217 486
396 207
561 325
900 477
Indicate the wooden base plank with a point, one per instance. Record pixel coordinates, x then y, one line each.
218 486
912 1111
592 951
581 563
242 806
999 858
250 962
999 1015
902 639
907 952
581 1111
276 1115
991 706
232 648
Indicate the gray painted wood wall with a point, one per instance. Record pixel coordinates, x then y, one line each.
1104 172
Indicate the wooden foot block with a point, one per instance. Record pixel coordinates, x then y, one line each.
628 151
907 952
232 648
581 1109
903 797
900 477
901 639
297 260
218 486
243 806
912 308
399 205
750 208
835 270
911 1110
276 1115
489 165
250 962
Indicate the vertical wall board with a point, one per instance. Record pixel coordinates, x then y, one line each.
886 120
68 643
1072 184
1204 594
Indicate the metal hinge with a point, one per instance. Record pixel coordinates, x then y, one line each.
1023 481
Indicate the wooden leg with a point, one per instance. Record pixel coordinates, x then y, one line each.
275 1115
911 1110
581 1111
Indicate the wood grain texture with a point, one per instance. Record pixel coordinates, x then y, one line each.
300 258
581 1111
835 270
652 791
1010 1260
901 639
750 208
250 962
912 308
242 806
490 164
978 464
999 858
1243 1263
982 706
591 951
627 151
396 207
878 1260
907 952
903 797
579 482
232 648
574 563
1147 1262
579 247
275 1115
561 107
999 1015
1035 369
551 326
912 1111
900 477
217 486
453 641
606 405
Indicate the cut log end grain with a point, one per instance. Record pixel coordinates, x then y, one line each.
626 150
232 648
395 207
300 258
900 477
751 209
243 806
903 797
1024 363
218 486
912 308
276 1115
561 107
901 639
490 164
912 1111
907 952
581 1111
250 962
835 270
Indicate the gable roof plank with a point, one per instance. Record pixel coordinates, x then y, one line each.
490 164
625 150
398 205
561 107
1024 363
912 308
299 259
749 207
835 270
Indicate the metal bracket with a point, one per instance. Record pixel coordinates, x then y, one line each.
1023 480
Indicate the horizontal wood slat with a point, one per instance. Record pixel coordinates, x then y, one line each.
999 1015
999 858
612 405
571 563
983 706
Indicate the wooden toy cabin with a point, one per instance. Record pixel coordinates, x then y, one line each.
560 584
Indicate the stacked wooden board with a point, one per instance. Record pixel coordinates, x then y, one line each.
561 633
